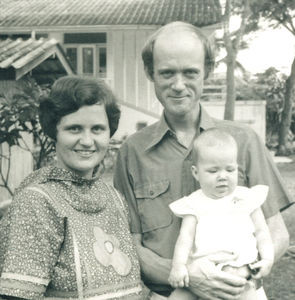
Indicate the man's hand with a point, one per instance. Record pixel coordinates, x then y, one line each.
179 276
263 268
208 282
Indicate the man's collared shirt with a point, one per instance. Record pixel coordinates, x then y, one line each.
153 169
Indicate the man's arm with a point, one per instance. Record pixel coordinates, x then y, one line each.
155 268
206 280
261 169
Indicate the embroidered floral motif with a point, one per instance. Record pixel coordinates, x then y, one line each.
236 200
107 252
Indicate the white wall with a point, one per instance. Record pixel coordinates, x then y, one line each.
251 113
129 118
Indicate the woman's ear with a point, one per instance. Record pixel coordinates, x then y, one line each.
195 172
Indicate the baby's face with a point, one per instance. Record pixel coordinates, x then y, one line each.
217 171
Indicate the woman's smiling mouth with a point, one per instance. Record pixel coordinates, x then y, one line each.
85 153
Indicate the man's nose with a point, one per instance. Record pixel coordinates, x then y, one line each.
178 83
86 139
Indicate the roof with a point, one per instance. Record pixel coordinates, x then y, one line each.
18 57
30 13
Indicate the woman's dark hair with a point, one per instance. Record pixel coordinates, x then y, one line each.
68 94
147 53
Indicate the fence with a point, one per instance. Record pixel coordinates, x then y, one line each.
21 164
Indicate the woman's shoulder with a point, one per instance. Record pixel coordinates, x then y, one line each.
32 193
36 177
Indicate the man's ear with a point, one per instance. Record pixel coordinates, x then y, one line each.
195 172
148 75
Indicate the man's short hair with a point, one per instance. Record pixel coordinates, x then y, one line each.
148 50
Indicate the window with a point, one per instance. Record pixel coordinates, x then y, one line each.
87 53
72 56
23 36
102 62
87 61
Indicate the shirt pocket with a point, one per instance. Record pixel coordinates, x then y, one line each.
152 201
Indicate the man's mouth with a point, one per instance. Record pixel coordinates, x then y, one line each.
178 97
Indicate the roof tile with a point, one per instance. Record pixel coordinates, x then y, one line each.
30 13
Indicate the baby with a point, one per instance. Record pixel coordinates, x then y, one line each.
221 216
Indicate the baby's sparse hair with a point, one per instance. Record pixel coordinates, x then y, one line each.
213 137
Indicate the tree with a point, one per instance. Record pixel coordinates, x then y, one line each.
18 115
281 13
232 43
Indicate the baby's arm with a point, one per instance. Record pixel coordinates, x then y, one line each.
264 245
179 276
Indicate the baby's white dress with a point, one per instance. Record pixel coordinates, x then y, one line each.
224 224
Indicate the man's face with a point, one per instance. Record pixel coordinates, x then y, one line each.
178 72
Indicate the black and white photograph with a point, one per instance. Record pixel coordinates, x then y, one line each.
147 149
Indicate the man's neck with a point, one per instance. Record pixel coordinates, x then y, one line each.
185 127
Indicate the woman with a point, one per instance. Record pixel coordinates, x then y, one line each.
66 233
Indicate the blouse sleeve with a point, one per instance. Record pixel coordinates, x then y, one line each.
258 195
182 207
34 234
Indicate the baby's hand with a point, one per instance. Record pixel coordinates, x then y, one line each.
261 268
179 277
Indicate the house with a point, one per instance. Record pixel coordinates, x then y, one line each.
104 38
40 58
20 61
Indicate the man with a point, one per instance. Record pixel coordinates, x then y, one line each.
154 165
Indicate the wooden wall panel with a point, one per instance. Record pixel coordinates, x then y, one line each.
130 62
118 67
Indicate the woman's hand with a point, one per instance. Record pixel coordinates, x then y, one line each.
208 282
179 276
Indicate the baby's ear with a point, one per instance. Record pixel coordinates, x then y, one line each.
195 172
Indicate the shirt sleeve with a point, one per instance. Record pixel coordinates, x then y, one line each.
261 169
123 183
35 233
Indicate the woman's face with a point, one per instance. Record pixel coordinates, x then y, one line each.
82 139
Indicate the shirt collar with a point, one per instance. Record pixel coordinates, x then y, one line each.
162 127
160 131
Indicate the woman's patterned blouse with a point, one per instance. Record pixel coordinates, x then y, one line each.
67 237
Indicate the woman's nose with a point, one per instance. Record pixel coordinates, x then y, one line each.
178 83
86 139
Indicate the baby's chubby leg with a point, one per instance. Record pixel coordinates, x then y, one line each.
182 294
250 288
242 271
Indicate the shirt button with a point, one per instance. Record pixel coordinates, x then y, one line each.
151 193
